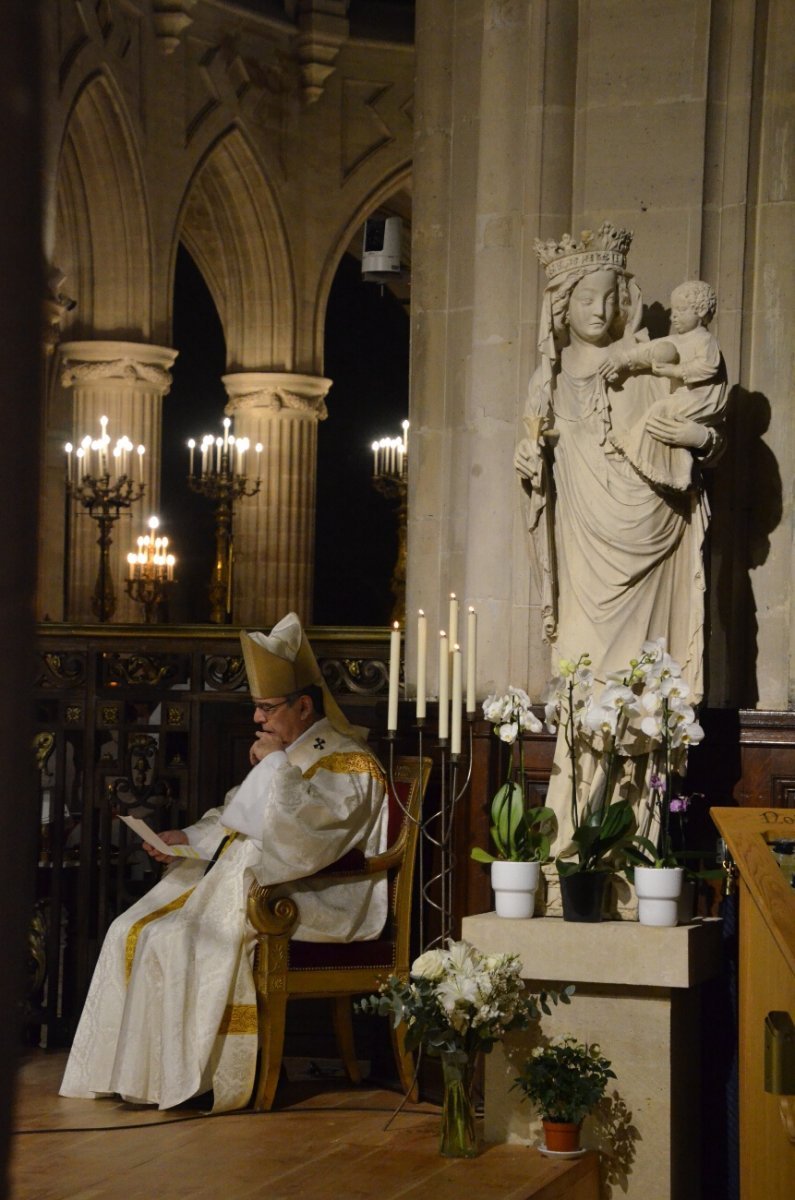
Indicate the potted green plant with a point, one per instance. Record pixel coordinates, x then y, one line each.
522 834
565 1080
669 721
603 825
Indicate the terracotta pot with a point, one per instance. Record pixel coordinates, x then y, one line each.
562 1137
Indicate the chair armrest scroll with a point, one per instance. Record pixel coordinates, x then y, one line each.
271 914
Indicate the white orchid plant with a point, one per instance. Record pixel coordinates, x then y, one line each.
642 709
520 832
458 1001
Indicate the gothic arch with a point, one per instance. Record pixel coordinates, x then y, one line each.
102 240
377 197
232 228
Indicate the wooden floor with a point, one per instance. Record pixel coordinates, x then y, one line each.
327 1140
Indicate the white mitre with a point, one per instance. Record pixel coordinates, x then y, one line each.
282 662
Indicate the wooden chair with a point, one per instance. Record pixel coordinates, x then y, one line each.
339 970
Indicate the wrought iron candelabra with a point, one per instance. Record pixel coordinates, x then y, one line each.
224 481
436 832
151 574
104 496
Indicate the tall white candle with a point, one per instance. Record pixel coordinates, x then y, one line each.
453 622
422 654
374 448
68 448
455 723
191 448
394 677
444 686
472 642
141 452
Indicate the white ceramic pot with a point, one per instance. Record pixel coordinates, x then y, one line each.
514 885
658 890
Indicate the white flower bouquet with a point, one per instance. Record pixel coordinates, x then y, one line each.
458 1001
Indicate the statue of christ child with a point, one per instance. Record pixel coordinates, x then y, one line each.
690 357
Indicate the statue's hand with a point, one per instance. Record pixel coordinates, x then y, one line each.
612 365
675 431
527 460
667 370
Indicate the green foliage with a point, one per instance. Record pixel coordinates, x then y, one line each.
607 831
519 833
565 1079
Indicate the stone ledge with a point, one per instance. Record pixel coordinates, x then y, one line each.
617 953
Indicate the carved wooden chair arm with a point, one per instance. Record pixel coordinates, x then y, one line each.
271 914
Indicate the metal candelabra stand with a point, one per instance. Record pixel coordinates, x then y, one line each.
436 833
150 589
224 486
104 499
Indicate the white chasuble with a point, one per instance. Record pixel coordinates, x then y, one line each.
171 1011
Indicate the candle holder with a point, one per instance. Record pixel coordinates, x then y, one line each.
224 481
151 574
104 497
436 833
390 479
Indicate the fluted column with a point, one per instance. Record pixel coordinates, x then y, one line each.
126 382
274 532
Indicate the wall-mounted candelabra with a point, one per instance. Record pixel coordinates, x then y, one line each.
223 479
150 574
390 478
100 480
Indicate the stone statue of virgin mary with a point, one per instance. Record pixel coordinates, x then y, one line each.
619 558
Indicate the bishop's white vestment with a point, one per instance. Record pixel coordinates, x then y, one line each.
171 1011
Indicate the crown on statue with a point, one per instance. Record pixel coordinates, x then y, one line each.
608 247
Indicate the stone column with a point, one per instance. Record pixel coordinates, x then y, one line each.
488 177
274 531
126 382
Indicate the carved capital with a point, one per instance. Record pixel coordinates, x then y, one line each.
86 362
171 18
303 394
56 304
323 28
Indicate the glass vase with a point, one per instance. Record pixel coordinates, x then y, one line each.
458 1136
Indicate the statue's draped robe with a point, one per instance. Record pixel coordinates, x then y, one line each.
621 561
171 1011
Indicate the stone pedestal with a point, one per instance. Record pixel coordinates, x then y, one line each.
274 531
637 996
126 382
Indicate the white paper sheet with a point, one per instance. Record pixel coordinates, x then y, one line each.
151 838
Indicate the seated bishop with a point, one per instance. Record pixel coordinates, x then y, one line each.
171 1011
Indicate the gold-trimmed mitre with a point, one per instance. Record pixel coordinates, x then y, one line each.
280 662
608 247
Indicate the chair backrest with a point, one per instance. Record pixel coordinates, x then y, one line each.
405 815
